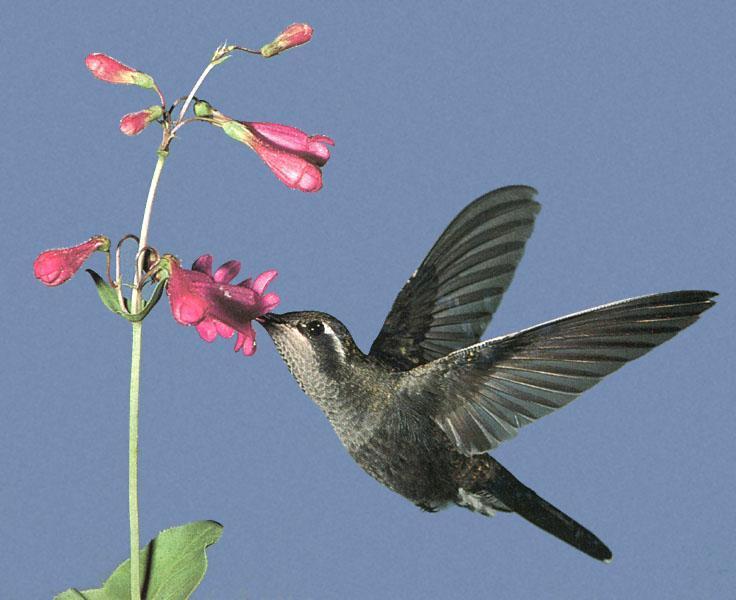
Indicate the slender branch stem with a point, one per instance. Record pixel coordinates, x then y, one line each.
135 365
143 238
197 85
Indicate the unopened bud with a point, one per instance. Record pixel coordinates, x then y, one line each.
294 35
108 69
134 123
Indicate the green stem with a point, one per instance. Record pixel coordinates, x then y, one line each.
135 378
135 370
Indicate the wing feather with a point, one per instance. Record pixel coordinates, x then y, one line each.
450 299
481 395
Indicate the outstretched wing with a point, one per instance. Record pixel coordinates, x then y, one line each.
480 396
450 299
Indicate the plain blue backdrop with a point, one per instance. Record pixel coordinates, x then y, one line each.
621 114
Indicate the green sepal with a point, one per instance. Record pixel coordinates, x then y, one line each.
270 50
107 294
155 112
172 565
143 80
236 130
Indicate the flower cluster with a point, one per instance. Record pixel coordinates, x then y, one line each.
209 301
216 306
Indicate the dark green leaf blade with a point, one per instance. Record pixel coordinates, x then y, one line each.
107 294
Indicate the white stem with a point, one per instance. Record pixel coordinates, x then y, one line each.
200 81
136 295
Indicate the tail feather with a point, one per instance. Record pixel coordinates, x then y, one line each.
527 504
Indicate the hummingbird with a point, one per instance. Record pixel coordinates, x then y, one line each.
421 411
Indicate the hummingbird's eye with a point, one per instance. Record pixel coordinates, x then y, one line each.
315 328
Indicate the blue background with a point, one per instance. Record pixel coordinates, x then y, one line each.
622 116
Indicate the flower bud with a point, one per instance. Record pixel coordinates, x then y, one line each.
134 123
108 69
54 267
203 109
294 35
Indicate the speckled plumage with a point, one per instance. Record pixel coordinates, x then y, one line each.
422 408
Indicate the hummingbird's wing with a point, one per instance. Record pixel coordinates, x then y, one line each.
450 299
481 395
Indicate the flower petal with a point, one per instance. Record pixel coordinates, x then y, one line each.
228 271
203 264
262 281
269 302
207 330
224 330
293 170
188 307
246 340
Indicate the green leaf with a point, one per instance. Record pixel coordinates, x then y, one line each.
148 304
71 594
109 298
106 293
173 564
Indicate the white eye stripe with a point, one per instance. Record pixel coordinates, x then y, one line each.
336 340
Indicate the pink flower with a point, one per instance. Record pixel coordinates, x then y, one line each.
293 156
54 267
113 71
294 35
217 307
134 123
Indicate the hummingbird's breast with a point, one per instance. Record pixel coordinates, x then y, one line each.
390 435
409 454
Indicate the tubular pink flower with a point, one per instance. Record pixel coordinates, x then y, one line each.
294 157
134 123
311 147
108 69
295 34
216 306
54 267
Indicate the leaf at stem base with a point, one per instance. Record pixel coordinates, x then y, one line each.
173 564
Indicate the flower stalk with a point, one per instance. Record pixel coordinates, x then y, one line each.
135 376
135 372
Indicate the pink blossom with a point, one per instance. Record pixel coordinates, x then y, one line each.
108 69
217 307
54 267
294 157
134 123
295 34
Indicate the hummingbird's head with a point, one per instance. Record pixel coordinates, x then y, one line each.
311 343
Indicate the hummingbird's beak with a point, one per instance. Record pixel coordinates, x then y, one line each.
270 319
